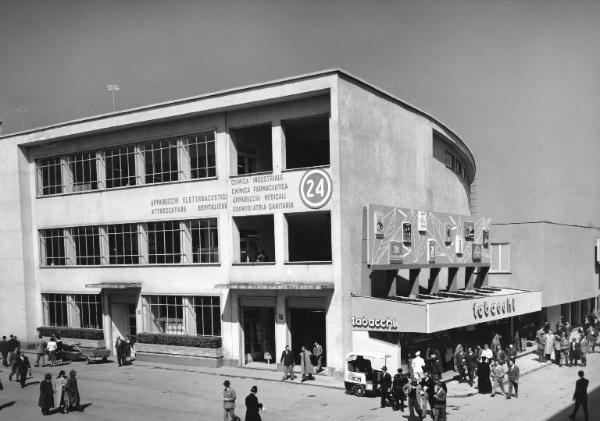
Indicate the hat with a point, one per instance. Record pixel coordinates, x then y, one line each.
254 389
226 383
414 382
384 368
417 353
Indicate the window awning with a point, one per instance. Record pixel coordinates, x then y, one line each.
115 285
277 285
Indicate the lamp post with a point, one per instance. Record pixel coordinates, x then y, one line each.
113 88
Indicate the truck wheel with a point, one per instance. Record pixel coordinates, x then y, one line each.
358 390
104 359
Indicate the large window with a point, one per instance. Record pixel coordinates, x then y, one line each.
208 315
83 171
55 309
87 245
201 149
123 244
120 167
49 176
52 244
89 307
164 242
205 241
161 161
167 313
500 257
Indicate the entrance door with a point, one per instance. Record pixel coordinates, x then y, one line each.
259 333
307 326
119 314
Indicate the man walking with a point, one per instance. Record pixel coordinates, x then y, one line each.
253 407
386 383
439 399
318 353
513 379
580 396
497 378
287 359
40 351
4 351
228 402
120 348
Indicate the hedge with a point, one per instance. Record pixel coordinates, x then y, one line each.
71 332
180 340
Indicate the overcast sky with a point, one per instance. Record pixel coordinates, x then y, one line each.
518 80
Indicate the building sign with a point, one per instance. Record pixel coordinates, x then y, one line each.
315 188
431 251
177 205
374 324
422 221
485 241
444 244
494 308
395 252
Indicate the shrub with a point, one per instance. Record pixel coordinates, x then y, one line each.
180 340
71 332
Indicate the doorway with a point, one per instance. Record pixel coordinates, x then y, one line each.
307 326
259 334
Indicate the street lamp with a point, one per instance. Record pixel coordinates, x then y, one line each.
113 88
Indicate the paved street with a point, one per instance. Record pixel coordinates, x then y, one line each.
147 392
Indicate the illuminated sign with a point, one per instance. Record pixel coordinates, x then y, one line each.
476 252
422 221
380 324
406 232
485 241
379 228
459 245
448 234
431 250
485 309
395 252
469 231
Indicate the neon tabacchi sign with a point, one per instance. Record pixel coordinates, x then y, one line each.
387 323
496 308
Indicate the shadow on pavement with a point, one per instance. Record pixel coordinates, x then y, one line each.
593 407
32 383
7 404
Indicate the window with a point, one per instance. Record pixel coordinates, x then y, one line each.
53 247
167 313
89 307
83 171
49 176
161 161
120 167
500 257
201 149
253 148
306 141
309 236
208 315
123 244
163 242
87 245
55 309
205 241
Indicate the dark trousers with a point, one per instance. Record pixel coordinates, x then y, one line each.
583 404
384 397
513 384
557 357
22 377
4 361
120 358
14 371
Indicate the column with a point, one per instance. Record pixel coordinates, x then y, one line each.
413 282
433 284
70 250
66 175
106 321
282 332
189 316
452 279
104 245
140 165
185 242
100 170
139 315
469 277
183 159
278 146
73 312
143 243
482 277
281 238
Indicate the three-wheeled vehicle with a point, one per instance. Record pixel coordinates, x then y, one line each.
362 374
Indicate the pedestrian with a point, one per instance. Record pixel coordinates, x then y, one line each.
439 399
497 378
318 353
558 350
511 352
501 355
61 400
72 391
513 374
496 340
560 325
306 366
413 391
4 351
460 363
228 402
487 353
541 344
253 407
435 364
127 351
427 388
585 349
548 346
574 351
471 366
40 351
52 347
418 364
120 348
580 396
398 395
591 337
13 343
483 377
23 367
517 341
385 385
46 400
12 363
287 360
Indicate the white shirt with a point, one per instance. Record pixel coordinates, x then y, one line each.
487 353
417 364
52 346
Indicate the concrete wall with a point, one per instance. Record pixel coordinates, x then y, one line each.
386 158
558 259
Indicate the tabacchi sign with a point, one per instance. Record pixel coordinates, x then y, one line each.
365 323
482 310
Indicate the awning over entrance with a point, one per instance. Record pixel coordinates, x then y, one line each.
427 314
278 285
115 285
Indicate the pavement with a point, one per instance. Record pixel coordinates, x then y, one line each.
146 391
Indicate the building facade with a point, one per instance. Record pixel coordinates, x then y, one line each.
247 215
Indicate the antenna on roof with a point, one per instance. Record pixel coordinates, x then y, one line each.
113 88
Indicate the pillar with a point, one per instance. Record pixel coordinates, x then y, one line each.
280 233
413 282
452 279
278 146
282 331
433 284
469 277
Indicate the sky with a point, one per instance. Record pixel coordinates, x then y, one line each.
519 81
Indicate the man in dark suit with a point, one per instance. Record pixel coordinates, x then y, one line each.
253 406
580 396
287 359
386 383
